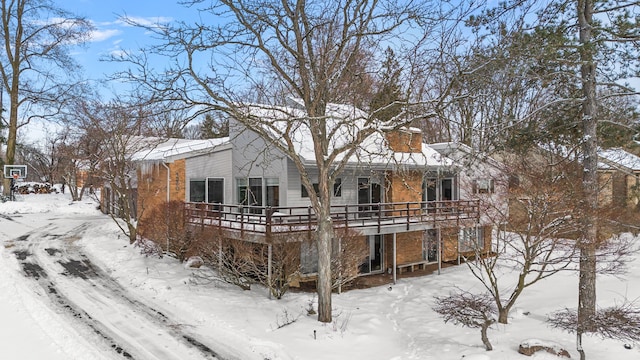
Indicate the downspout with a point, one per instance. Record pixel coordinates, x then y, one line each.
168 179
168 188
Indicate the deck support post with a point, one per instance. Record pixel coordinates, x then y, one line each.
393 269
439 249
340 265
220 252
269 269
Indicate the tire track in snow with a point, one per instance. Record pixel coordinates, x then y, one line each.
57 266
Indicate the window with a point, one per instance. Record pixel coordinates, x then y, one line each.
471 239
303 190
249 191
430 245
243 191
258 192
210 190
255 189
337 188
438 189
483 186
196 190
215 190
273 192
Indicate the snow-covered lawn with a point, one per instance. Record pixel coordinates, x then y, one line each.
385 322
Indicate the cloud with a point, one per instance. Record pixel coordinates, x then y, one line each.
102 35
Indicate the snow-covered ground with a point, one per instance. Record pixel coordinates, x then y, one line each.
379 323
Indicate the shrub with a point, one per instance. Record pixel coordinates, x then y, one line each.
165 225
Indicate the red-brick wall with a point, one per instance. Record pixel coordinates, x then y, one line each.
152 186
405 141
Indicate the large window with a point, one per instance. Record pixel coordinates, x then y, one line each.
471 239
257 193
210 189
434 189
430 245
337 188
303 190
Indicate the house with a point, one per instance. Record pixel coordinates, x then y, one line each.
158 172
170 170
619 178
411 204
483 178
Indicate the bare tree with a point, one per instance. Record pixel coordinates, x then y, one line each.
118 130
41 164
543 228
618 322
37 70
590 47
350 251
317 52
470 310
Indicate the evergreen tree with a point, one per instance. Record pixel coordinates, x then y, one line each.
212 128
387 101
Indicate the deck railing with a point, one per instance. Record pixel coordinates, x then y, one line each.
269 220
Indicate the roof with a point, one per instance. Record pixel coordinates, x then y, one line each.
345 123
619 158
171 149
450 149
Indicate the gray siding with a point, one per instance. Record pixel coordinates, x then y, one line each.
255 158
349 185
213 165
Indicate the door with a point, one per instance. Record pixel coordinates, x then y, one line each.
369 193
434 190
430 245
373 262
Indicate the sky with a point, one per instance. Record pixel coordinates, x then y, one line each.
111 37
146 304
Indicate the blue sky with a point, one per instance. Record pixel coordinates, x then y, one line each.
112 35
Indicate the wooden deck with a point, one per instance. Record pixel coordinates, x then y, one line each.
252 220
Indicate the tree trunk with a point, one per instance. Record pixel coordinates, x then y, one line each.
588 241
324 244
12 134
483 334
503 311
503 315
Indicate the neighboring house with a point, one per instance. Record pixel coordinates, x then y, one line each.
410 203
480 177
619 178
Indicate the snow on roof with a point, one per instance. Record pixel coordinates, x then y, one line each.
449 149
620 157
344 124
166 149
374 150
